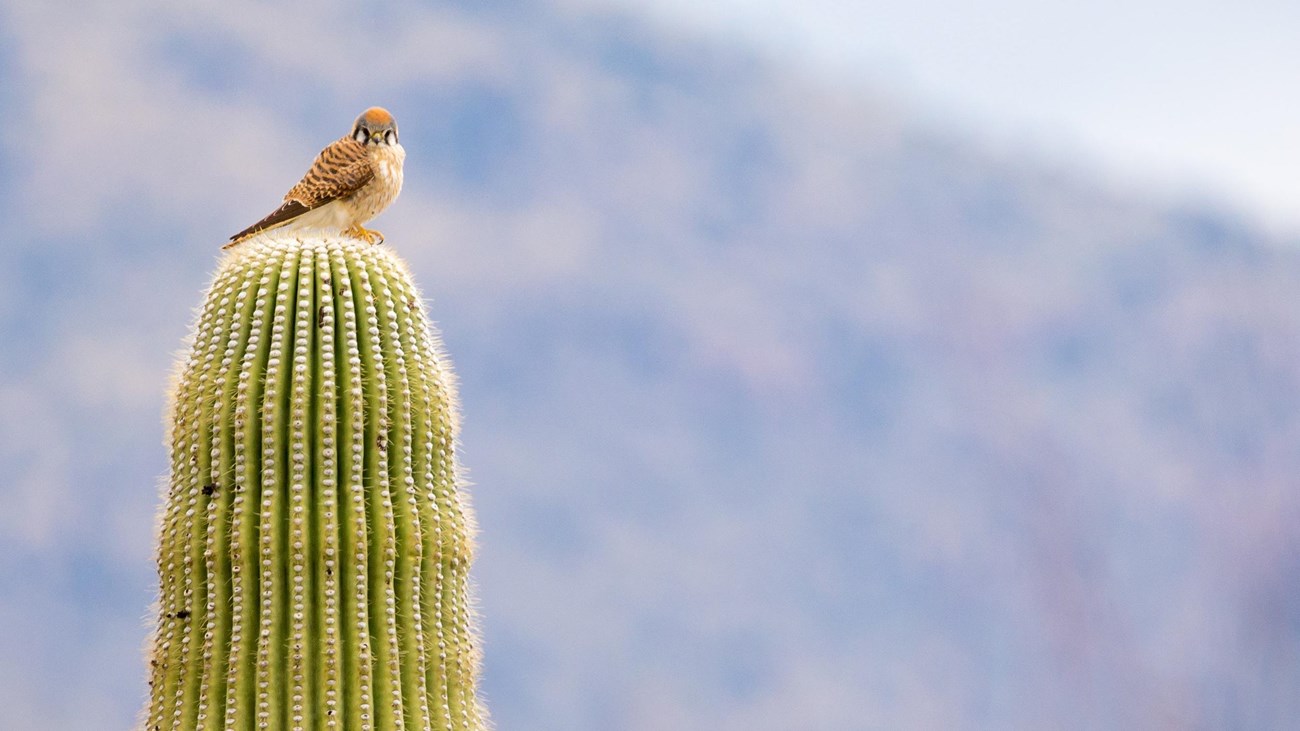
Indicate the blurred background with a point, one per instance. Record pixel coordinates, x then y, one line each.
824 364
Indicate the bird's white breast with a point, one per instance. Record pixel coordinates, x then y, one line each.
383 189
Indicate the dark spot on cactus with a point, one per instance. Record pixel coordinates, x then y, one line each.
182 614
411 304
320 316
209 488
382 440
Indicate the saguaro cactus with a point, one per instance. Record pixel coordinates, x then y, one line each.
314 543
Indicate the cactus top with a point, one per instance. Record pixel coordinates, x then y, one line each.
314 539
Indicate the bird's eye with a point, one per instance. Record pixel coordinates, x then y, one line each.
362 135
390 137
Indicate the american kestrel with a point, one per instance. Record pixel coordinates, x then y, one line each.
350 182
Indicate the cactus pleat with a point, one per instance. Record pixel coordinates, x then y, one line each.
314 544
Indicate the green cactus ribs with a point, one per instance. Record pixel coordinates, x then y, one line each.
314 542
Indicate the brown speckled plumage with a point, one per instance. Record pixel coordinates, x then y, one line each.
340 170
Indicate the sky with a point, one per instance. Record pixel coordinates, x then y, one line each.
797 392
1168 98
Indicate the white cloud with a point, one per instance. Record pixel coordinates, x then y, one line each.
40 504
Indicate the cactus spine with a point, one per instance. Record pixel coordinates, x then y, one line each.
314 546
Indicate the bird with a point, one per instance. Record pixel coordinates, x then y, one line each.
350 182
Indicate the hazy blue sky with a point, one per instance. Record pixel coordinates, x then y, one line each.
1193 97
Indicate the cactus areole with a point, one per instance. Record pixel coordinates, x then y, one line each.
314 540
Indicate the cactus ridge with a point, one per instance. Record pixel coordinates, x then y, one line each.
314 541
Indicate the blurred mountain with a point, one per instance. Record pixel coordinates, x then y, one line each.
784 407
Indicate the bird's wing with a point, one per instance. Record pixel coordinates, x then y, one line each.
340 170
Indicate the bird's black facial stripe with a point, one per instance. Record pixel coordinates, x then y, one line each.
390 136
362 135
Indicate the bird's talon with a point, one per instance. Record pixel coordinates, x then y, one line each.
373 238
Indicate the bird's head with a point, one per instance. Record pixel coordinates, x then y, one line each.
375 126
